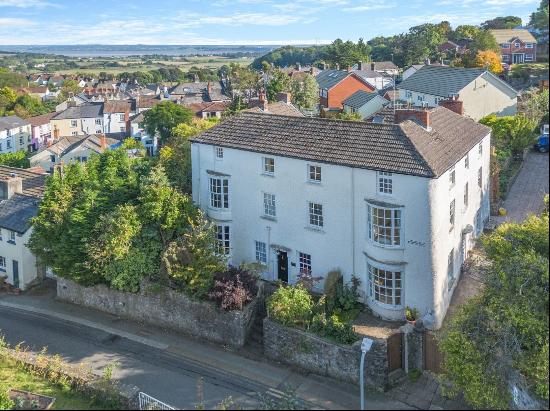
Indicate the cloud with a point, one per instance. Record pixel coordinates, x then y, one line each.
23 4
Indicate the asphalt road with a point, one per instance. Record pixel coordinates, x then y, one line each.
158 373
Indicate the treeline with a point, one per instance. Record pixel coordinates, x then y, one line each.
171 75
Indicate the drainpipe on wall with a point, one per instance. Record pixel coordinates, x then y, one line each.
353 218
268 250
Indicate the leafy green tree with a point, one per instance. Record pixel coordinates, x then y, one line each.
504 331
346 54
305 92
278 83
19 159
535 106
508 22
175 156
163 117
349 116
421 43
243 80
539 19
13 80
8 96
69 87
28 106
465 31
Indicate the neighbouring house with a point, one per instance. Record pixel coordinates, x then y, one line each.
139 134
144 103
411 70
388 68
336 85
386 115
210 110
281 107
364 103
70 149
454 48
41 92
377 78
20 194
75 100
15 134
197 92
397 205
481 92
78 120
116 116
41 131
516 45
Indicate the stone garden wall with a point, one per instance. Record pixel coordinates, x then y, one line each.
164 307
309 352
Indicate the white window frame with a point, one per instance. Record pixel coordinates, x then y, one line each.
223 235
269 205
480 149
452 178
529 57
218 151
480 177
2 262
74 123
315 215
304 263
517 44
221 193
12 236
122 117
452 215
261 252
98 121
467 161
314 173
451 269
395 227
385 182
466 196
268 166
378 285
505 45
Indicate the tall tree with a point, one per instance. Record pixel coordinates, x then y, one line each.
539 19
465 32
163 117
279 82
508 22
346 54
305 92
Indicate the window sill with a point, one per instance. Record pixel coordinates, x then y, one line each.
315 229
272 175
315 183
386 306
11 242
384 246
268 218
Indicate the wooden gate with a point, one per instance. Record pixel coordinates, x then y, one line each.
395 352
432 356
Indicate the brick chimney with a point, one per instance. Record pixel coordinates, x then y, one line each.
263 101
10 185
418 115
372 66
284 97
453 104
102 141
209 89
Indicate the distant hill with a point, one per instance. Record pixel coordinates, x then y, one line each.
290 55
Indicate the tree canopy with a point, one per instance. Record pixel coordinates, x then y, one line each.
163 117
508 22
504 331
539 19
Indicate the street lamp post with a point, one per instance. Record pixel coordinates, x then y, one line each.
365 347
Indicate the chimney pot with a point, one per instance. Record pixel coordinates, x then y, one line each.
418 115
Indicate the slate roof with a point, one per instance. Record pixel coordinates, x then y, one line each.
440 80
383 65
329 78
33 182
9 122
385 115
17 211
404 149
359 99
88 110
506 36
41 120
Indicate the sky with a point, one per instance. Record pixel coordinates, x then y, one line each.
39 22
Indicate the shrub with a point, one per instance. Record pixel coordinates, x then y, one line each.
291 306
233 288
333 328
411 314
340 296
6 402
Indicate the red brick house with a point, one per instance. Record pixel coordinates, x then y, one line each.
337 85
516 46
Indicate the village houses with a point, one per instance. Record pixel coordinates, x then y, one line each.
516 45
15 134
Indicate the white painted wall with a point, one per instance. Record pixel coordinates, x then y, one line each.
113 123
369 109
20 253
10 140
343 242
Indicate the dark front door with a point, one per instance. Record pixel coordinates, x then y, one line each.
282 263
15 274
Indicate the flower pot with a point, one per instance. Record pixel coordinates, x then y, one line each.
413 322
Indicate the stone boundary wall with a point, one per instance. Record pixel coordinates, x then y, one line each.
312 353
166 308
81 379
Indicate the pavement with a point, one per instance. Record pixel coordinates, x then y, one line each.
527 193
165 364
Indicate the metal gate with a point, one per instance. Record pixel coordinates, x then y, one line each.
395 352
432 356
146 402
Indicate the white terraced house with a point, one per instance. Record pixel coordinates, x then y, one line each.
396 205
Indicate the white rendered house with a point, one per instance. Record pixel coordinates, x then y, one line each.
396 205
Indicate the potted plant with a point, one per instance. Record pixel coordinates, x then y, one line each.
411 315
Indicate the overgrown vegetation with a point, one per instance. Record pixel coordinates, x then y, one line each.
19 159
330 316
504 331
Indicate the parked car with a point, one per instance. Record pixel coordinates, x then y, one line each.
542 144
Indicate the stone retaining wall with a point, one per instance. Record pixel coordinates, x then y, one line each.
163 307
312 353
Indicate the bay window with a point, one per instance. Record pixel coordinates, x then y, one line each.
384 225
219 192
385 285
